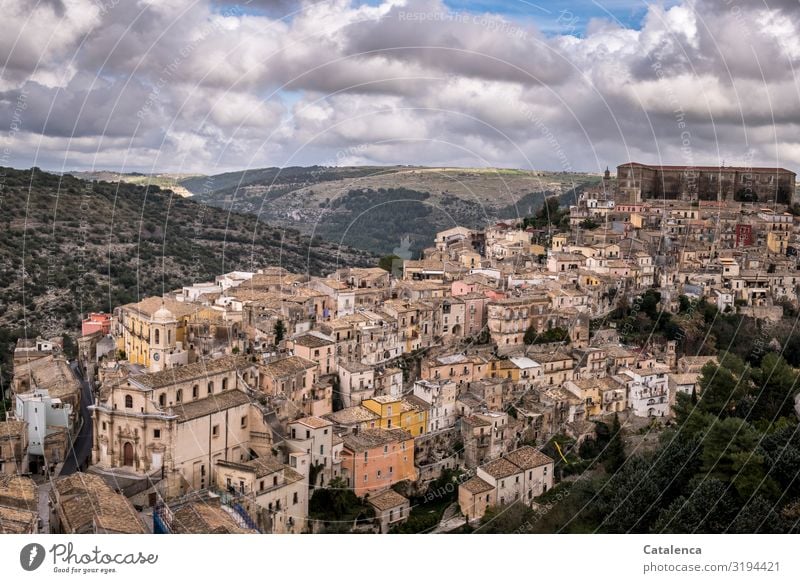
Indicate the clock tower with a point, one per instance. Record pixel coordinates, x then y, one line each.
163 329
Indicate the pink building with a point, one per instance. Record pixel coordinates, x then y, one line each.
96 322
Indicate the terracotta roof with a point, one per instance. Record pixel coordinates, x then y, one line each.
210 404
285 367
312 341
205 518
351 415
17 521
528 458
476 486
372 438
201 369
86 500
500 468
313 422
19 492
149 306
388 499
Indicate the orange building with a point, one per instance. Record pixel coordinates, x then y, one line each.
96 322
374 459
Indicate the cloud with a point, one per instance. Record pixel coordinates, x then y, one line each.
200 86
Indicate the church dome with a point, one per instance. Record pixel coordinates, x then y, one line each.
163 315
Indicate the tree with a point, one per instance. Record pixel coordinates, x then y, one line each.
280 331
530 335
729 454
723 385
615 452
589 224
387 262
775 385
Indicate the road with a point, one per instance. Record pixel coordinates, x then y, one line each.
82 446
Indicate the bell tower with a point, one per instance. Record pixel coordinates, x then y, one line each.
163 329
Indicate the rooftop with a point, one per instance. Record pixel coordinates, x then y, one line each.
500 468
477 486
86 500
372 438
350 415
205 518
210 404
178 374
388 499
528 458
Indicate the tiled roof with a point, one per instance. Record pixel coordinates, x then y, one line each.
86 500
201 369
18 492
388 499
313 422
477 486
500 468
528 458
210 404
371 438
350 415
205 518
287 367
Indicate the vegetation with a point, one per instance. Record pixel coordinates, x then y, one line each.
338 508
728 464
70 247
280 331
552 335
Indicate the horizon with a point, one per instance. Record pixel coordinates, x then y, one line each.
565 85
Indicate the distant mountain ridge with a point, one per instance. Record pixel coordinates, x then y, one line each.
71 246
375 207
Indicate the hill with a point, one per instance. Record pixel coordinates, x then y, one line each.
375 208
71 246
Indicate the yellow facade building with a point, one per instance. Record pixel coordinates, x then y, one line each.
394 412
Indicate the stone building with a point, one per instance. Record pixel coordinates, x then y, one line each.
637 182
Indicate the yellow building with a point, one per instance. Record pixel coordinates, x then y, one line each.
153 332
394 412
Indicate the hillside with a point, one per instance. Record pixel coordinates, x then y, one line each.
71 246
376 208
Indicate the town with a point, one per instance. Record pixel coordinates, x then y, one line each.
421 395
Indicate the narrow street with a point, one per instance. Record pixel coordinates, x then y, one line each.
82 446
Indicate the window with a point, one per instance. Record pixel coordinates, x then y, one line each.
379 474
215 431
158 340
210 387
179 396
157 433
274 480
365 477
294 498
366 454
225 384
104 425
244 421
128 402
321 450
162 400
261 485
195 392
385 449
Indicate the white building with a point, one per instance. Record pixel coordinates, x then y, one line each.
441 395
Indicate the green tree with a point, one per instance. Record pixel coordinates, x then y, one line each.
387 261
280 331
729 454
723 385
774 388
615 452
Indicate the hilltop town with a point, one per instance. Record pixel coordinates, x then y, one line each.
421 395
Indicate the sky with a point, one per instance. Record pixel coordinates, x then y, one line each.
195 86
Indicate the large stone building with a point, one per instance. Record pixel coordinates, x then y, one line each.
179 423
637 182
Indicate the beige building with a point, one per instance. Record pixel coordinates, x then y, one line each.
390 508
178 423
275 495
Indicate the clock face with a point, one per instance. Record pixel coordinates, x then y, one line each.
156 356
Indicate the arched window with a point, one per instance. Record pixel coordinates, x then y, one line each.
162 399
179 396
157 336
225 384
210 387
128 402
